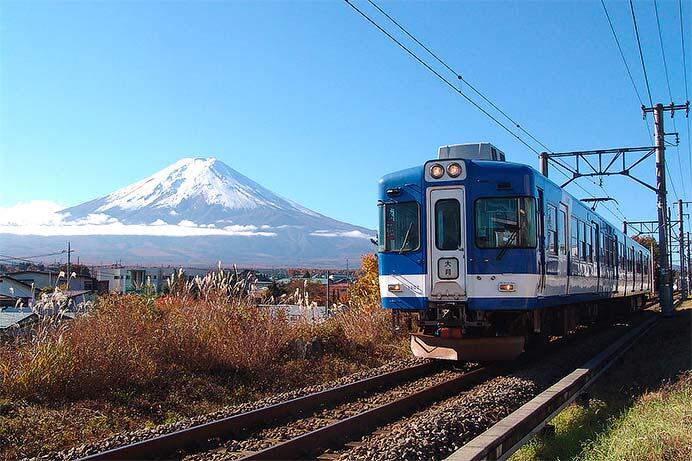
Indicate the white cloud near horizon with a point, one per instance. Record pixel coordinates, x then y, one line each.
350 234
41 217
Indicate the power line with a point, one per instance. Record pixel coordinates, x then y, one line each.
448 83
641 55
437 74
457 74
663 53
670 95
684 76
29 258
622 55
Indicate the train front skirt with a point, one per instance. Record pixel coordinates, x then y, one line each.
467 349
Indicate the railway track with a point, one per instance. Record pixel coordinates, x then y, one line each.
316 416
324 424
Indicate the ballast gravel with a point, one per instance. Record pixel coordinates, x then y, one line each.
282 431
444 427
126 438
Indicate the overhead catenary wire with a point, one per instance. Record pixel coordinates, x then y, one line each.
458 75
684 77
670 95
641 54
622 55
439 76
452 86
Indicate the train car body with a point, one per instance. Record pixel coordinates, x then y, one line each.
491 254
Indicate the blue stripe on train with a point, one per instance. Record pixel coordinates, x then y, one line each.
408 302
502 304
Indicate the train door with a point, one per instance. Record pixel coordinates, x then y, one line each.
541 241
446 243
563 253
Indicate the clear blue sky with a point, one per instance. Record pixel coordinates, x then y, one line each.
309 99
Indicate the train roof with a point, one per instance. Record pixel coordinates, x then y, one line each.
415 175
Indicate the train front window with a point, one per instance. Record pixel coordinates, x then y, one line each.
399 227
447 224
505 222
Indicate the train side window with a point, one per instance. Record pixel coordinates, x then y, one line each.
574 225
447 224
589 243
508 222
623 265
639 263
562 232
582 238
551 221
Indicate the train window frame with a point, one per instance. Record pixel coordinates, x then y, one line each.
382 242
437 227
563 230
574 237
552 227
531 215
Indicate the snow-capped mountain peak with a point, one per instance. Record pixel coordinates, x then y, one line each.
202 179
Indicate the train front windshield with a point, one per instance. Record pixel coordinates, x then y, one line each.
399 227
505 222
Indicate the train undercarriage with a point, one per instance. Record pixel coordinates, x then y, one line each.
452 331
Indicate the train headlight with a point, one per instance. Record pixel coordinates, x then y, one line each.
507 287
394 287
454 170
437 171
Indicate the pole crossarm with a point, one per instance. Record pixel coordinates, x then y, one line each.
603 162
646 227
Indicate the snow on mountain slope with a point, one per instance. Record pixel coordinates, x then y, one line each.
190 189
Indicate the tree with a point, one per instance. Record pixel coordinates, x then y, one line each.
365 290
647 241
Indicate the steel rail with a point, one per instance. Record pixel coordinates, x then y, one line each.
509 434
200 436
335 435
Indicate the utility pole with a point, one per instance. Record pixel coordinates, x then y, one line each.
666 286
69 254
689 259
681 233
327 308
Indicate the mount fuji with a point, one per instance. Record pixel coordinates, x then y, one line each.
195 211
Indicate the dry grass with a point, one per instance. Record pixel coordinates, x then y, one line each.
146 359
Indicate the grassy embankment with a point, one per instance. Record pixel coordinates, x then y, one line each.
140 360
641 410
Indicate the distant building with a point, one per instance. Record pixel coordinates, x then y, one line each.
44 279
13 291
134 279
15 322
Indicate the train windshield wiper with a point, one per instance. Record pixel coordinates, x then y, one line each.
408 233
507 244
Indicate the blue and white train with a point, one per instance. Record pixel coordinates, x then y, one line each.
491 254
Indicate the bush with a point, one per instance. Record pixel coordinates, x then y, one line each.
207 326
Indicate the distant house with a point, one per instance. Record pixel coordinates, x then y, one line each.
13 290
134 279
44 279
15 322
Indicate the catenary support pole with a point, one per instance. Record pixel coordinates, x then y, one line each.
689 259
683 268
544 163
665 286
